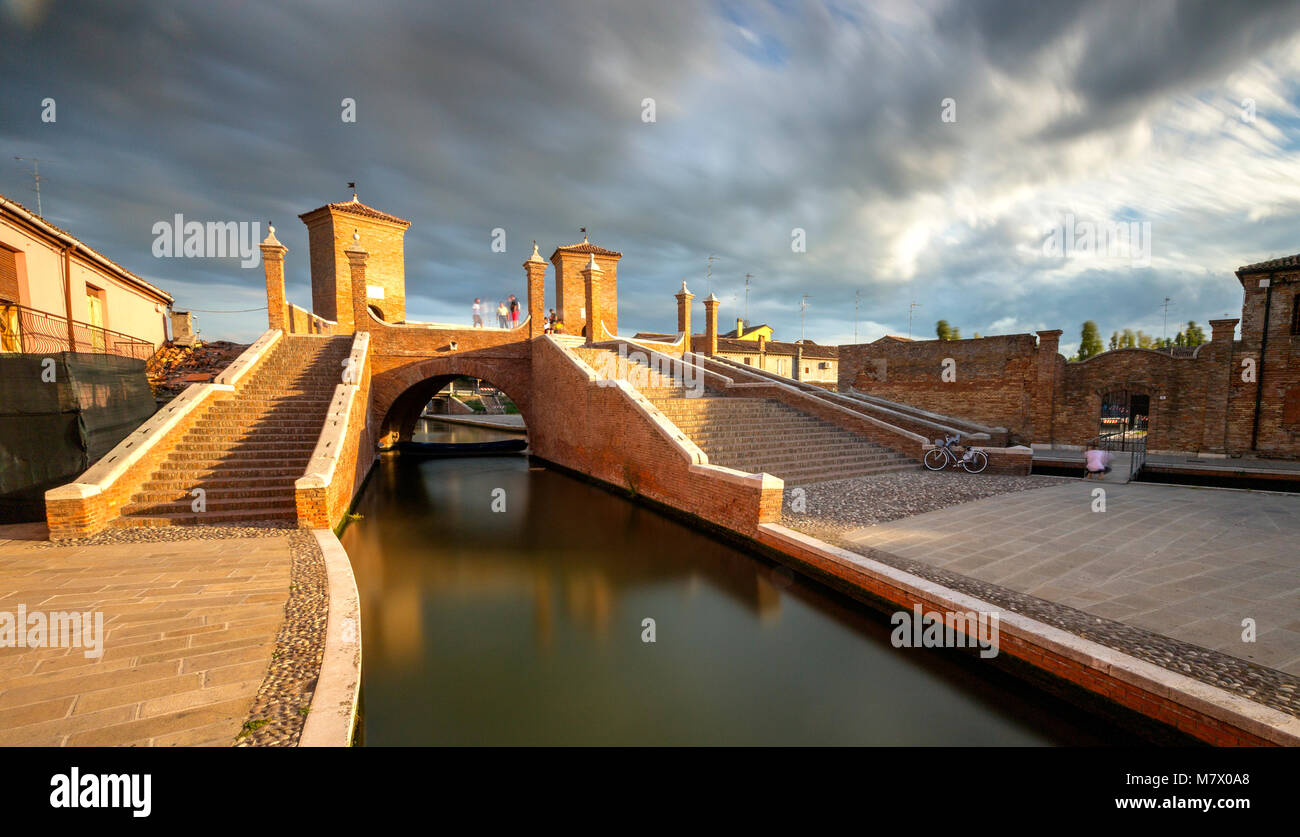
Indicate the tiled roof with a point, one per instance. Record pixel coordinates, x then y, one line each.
586 247
1272 264
356 207
811 351
654 335
123 273
895 338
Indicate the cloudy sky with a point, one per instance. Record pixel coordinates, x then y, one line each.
924 149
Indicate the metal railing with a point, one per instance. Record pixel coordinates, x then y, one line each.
1131 442
25 330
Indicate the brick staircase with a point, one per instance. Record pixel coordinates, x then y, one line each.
761 435
247 450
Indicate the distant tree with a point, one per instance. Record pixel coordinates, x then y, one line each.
977 335
954 334
1114 340
1090 341
1145 341
1195 336
943 330
1180 340
1128 340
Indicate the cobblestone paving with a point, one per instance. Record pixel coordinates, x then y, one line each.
1166 571
280 711
188 634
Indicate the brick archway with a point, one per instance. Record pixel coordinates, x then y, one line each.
400 391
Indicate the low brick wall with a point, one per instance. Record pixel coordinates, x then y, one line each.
344 452
1205 712
652 457
82 508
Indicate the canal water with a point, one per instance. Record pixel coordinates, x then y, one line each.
526 626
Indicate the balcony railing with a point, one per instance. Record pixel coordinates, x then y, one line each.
28 331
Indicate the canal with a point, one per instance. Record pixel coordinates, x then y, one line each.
506 604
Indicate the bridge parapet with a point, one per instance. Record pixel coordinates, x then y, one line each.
345 449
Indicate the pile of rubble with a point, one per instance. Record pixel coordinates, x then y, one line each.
173 368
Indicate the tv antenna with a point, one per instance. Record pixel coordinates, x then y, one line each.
857 302
910 309
803 307
708 272
748 276
1164 332
36 177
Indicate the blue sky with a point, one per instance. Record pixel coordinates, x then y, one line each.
770 117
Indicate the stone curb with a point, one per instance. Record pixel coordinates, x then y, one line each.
332 718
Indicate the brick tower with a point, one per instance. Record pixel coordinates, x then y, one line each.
329 233
571 289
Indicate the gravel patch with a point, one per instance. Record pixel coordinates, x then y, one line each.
844 505
155 534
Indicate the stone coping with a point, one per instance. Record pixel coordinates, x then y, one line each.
332 718
333 435
1235 710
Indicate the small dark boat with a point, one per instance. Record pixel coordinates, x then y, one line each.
463 448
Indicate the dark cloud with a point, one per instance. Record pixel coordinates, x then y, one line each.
476 115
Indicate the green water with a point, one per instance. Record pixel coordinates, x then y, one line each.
525 627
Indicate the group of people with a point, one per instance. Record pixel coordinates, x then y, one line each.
507 312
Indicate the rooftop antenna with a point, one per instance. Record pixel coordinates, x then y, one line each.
1164 332
708 273
36 177
857 300
910 309
748 276
803 306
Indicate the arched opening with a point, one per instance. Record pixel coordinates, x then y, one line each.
378 315
453 409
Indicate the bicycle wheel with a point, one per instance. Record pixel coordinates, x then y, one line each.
935 459
979 460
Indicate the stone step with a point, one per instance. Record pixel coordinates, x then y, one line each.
208 518
213 506
211 494
219 482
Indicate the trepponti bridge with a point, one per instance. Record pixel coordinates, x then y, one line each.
289 431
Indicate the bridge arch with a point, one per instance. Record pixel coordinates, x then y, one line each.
400 393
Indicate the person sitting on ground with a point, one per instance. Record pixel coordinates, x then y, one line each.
1097 462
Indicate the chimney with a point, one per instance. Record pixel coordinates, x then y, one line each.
711 324
740 327
684 298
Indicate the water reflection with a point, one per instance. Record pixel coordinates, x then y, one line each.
525 627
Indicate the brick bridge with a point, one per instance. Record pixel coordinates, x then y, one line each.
290 430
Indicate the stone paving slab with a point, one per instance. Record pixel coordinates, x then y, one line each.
189 631
1188 563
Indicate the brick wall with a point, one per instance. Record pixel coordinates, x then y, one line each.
329 233
644 460
321 506
995 381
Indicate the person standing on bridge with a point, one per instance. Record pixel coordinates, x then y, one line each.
501 314
478 313
514 311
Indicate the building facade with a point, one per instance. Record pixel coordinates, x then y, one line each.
57 294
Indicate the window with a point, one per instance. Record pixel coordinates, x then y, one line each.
95 310
8 275
749 361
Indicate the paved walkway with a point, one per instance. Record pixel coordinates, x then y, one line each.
1189 563
189 627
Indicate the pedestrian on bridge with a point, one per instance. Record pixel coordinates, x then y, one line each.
478 313
501 314
514 311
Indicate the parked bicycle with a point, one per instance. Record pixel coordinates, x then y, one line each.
938 458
